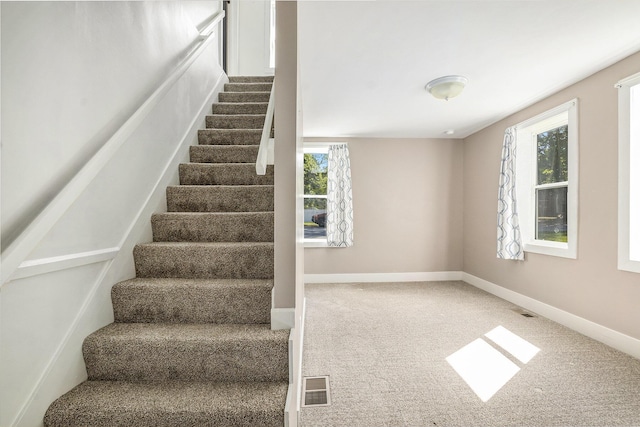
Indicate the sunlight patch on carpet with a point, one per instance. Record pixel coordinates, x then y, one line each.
483 368
520 348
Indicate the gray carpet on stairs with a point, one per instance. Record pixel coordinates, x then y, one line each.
230 137
170 404
223 174
191 344
173 300
236 121
223 153
220 198
212 227
240 108
187 352
244 97
202 260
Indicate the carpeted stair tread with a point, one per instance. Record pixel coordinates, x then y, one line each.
212 227
170 404
248 87
223 153
223 174
235 121
187 352
191 260
250 79
174 300
229 136
220 198
240 108
244 96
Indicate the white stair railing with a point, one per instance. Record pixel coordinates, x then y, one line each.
266 142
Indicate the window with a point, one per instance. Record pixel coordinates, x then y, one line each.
628 176
315 195
547 181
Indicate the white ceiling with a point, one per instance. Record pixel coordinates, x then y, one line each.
364 64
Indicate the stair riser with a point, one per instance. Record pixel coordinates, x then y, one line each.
235 122
229 136
205 262
223 154
191 303
220 199
250 79
251 227
248 87
240 108
186 360
221 174
244 96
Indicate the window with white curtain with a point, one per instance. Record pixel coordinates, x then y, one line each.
328 201
547 181
316 159
628 175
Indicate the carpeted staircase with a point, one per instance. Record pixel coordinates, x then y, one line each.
191 344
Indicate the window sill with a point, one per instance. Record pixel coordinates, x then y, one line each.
631 266
315 243
562 250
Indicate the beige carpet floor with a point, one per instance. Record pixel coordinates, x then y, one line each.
387 349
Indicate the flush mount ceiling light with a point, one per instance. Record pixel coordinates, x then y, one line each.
446 87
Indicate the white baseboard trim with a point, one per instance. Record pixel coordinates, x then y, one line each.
298 385
586 327
283 318
294 393
432 276
289 421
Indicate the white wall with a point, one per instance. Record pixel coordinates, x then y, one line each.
249 55
72 74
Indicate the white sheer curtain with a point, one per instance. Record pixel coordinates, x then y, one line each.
509 238
339 198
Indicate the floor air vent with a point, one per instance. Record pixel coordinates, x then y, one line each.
523 312
316 391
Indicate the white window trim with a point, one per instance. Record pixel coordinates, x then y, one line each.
526 151
625 176
315 148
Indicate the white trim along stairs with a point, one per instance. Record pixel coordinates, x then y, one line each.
191 343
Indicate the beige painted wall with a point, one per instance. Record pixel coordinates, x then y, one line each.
288 159
407 209
591 286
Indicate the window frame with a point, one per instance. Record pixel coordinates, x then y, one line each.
627 177
527 180
314 148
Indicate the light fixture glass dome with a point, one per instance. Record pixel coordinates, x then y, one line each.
446 87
